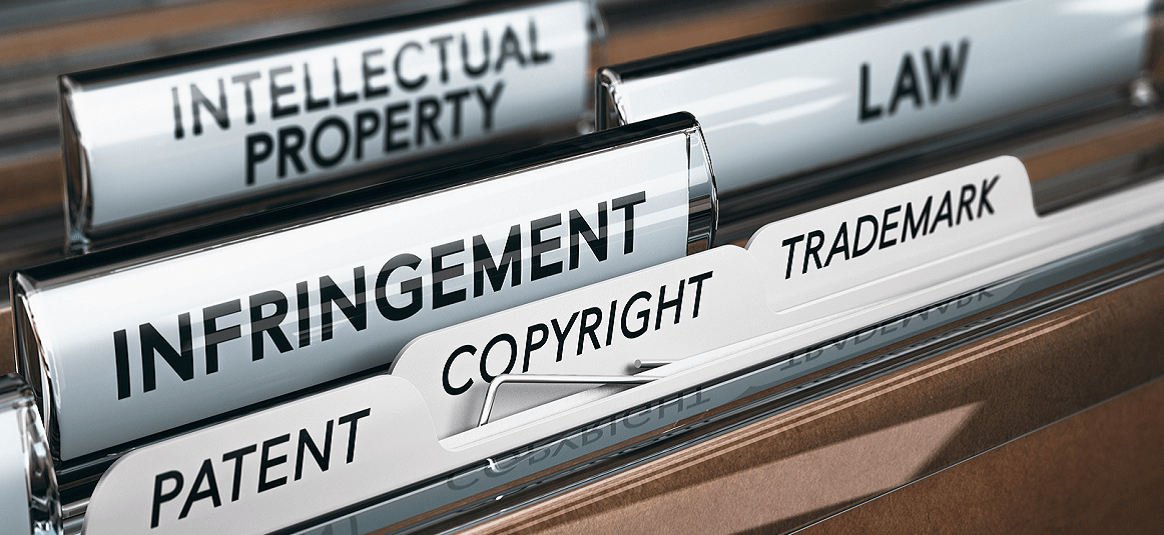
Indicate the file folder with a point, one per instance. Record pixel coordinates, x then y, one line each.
534 443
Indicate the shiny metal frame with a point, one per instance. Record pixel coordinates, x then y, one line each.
535 379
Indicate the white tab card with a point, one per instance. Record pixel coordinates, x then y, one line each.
660 313
740 308
200 132
852 247
798 104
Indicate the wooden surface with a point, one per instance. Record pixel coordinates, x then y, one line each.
845 449
1101 471
1142 134
631 40
168 22
31 184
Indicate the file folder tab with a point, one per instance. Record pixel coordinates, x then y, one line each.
201 132
268 470
668 311
212 324
800 101
901 229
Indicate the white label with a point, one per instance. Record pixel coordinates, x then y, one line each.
851 246
659 313
171 341
225 131
270 470
801 107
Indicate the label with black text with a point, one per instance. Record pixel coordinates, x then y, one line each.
812 103
266 470
210 134
851 246
196 334
664 312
